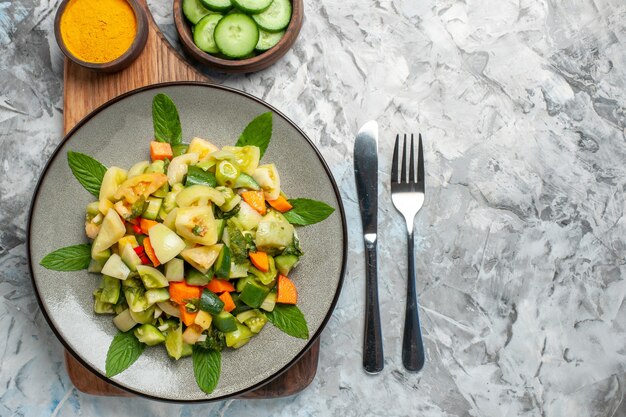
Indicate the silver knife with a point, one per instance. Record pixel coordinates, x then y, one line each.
366 175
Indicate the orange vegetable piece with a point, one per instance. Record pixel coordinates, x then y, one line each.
287 293
229 304
260 261
150 252
256 200
220 285
160 150
187 317
146 225
281 204
181 292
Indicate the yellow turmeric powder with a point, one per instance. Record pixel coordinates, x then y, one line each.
98 30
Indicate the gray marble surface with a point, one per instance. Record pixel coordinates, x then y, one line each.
520 247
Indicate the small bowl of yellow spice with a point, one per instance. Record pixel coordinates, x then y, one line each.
102 35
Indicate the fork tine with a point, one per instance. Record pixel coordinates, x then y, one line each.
420 162
394 162
403 172
411 163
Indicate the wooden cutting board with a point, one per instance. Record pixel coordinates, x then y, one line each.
84 91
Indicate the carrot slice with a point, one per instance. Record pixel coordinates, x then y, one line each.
229 304
281 204
287 293
150 252
256 200
220 285
187 317
260 261
146 225
160 150
181 293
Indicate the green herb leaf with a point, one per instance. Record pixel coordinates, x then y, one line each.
87 171
69 258
165 120
207 366
125 349
258 132
306 211
290 320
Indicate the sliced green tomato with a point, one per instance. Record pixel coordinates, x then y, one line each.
174 343
148 334
203 33
175 270
239 337
169 202
225 322
267 177
116 268
169 308
110 290
130 257
252 6
152 277
248 217
203 257
145 316
217 5
170 219
199 195
100 307
112 179
157 166
202 147
134 189
196 224
138 169
157 295
246 157
166 243
210 302
111 230
268 40
135 297
253 319
178 167
276 17
265 278
194 10
272 236
123 321
226 174
246 181
222 264
197 176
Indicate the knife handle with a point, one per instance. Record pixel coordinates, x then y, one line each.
373 360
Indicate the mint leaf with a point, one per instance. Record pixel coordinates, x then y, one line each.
69 258
125 349
290 320
258 132
87 171
306 211
165 120
207 366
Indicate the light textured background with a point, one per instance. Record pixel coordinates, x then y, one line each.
520 249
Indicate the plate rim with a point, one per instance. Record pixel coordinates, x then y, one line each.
84 121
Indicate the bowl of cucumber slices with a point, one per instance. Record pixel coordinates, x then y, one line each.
238 36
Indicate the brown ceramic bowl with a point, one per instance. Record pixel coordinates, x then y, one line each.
257 63
123 61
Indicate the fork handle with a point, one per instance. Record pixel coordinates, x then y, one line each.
412 344
373 361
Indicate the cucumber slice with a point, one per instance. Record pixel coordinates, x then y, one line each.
194 10
268 40
203 38
217 5
236 35
252 6
276 17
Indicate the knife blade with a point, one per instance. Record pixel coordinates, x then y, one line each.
366 178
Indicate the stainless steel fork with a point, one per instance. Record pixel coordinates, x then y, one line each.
408 197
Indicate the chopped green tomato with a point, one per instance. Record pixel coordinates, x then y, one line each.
267 177
266 278
130 257
246 181
240 306
170 220
285 263
197 176
203 319
225 322
169 308
238 337
110 290
95 266
157 166
178 150
248 217
210 302
138 169
157 295
231 204
111 231
196 224
169 202
116 268
174 343
152 208
93 209
254 319
100 307
270 302
238 270
203 148
123 321
178 167
148 334
112 179
199 195
152 277
187 350
166 243
197 278
135 297
246 157
253 294
226 174
102 256
202 257
222 264
143 317
175 270
273 236
192 334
